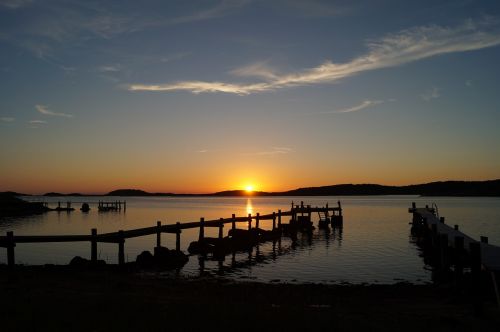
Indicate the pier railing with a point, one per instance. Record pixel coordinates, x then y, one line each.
10 240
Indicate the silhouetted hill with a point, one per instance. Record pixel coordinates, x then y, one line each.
135 192
444 188
54 194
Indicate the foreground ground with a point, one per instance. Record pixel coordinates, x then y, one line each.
48 299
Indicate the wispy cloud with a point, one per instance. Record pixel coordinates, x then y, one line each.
45 111
6 119
258 69
431 94
358 107
390 51
14 4
468 83
110 68
271 152
38 122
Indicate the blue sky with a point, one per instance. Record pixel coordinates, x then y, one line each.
210 95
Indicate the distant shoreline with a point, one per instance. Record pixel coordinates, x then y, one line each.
489 188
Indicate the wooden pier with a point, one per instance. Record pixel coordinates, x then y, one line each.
302 212
447 247
104 206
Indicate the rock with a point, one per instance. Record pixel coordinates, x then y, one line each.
145 259
78 261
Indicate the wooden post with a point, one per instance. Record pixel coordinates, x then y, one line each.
484 239
340 208
475 253
121 248
93 246
233 221
201 236
455 227
249 221
124 206
443 250
11 262
279 219
274 221
158 234
58 205
413 205
475 267
178 236
257 220
221 229
459 248
441 220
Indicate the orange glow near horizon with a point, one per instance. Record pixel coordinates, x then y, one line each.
249 188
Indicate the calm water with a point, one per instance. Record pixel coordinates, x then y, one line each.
374 246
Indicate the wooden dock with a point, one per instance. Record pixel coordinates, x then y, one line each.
297 213
451 248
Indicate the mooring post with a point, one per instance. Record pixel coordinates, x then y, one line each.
178 236
340 208
434 233
441 220
475 253
233 221
475 266
274 221
413 205
124 206
158 234
121 248
484 239
257 217
201 236
443 250
11 262
221 228
459 249
249 221
58 205
279 219
93 246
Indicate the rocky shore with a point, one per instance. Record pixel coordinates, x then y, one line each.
62 298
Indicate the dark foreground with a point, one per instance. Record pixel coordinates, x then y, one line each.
63 299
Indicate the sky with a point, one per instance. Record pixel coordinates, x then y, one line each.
204 96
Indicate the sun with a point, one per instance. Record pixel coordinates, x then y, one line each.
249 188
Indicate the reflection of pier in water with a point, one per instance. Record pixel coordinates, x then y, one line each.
254 256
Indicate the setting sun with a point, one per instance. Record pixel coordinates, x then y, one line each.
249 188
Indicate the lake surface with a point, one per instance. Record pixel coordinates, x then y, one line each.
373 246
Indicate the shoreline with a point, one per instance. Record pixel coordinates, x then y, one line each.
64 299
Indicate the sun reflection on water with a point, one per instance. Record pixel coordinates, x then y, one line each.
249 206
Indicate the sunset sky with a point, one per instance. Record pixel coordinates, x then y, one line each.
203 96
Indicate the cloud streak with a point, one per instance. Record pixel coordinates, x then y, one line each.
390 51
271 152
45 111
355 108
6 119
